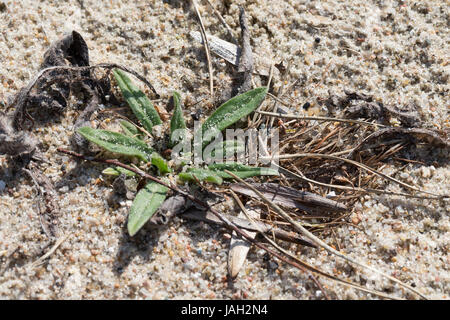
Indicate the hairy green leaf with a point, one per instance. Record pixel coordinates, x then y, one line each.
130 129
241 170
141 106
147 201
177 121
229 148
233 110
116 142
117 171
160 163
201 174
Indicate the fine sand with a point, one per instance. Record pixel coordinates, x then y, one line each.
397 51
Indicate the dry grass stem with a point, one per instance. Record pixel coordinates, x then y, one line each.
225 24
206 45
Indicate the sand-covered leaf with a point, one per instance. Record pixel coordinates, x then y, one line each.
232 111
241 170
116 142
145 204
141 106
194 174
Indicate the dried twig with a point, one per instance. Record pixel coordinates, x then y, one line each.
222 20
358 164
287 116
245 66
206 45
250 214
50 252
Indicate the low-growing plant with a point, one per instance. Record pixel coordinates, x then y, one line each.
134 143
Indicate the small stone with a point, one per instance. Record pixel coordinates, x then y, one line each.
356 219
226 236
157 131
404 175
272 265
331 194
397 226
425 172
399 210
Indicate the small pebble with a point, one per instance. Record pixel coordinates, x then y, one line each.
356 220
425 172
331 194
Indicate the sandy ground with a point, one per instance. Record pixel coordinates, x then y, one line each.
397 51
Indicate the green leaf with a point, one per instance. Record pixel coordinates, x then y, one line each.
233 110
229 147
201 175
130 129
141 106
177 121
116 142
116 171
111 172
147 201
241 170
160 163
